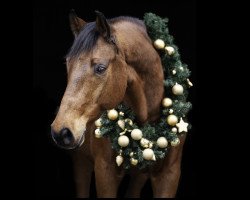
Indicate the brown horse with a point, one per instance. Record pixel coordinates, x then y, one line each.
111 61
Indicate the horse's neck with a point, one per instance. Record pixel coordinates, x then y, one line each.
145 74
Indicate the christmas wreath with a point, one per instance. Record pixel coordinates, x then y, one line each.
142 146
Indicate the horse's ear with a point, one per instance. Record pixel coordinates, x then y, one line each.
102 25
76 23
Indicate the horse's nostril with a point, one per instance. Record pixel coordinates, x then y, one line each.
67 136
63 138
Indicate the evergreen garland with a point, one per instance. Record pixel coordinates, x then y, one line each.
120 121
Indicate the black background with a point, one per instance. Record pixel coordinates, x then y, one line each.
52 38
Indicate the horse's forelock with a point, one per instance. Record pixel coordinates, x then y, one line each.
85 41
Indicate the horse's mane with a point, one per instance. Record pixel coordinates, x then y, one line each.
87 38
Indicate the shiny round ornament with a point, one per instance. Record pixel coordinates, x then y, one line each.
144 142
175 142
112 114
98 122
159 44
98 133
123 141
148 154
162 142
172 120
136 134
167 102
174 130
177 89
170 111
169 50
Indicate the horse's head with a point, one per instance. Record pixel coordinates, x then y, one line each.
97 80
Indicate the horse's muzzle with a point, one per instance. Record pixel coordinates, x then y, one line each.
65 139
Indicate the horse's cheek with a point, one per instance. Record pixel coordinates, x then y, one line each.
121 81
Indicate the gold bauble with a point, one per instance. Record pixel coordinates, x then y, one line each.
175 142
144 142
121 113
98 133
148 154
172 120
121 124
98 122
171 111
162 142
112 114
177 89
167 102
133 161
174 130
136 134
119 160
123 141
159 44
131 154
169 50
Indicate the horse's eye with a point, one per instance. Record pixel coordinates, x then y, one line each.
99 68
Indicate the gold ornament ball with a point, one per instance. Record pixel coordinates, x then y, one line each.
167 102
136 134
162 142
175 142
131 154
177 89
144 142
172 120
98 123
112 114
121 113
121 124
174 130
98 133
133 161
169 50
171 111
123 141
119 160
159 44
148 154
